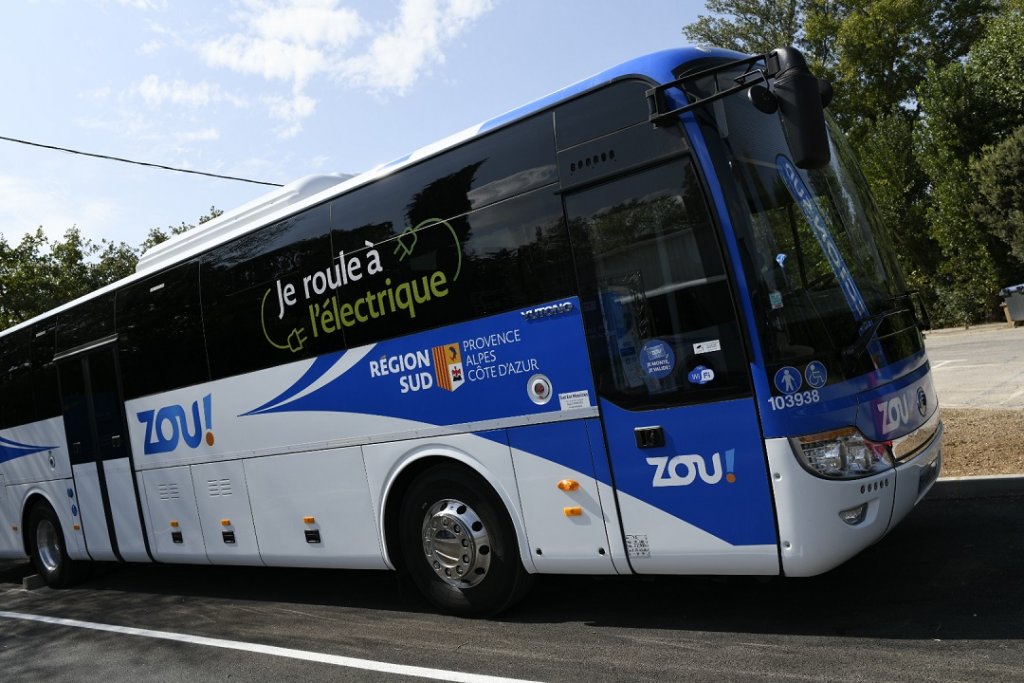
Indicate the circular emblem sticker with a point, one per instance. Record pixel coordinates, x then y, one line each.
539 389
816 374
657 359
788 380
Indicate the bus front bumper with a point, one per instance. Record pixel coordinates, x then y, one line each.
823 523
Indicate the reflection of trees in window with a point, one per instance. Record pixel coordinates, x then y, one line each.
160 334
28 376
650 268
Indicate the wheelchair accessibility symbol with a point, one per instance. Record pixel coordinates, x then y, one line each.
816 374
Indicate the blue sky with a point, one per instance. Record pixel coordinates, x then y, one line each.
271 90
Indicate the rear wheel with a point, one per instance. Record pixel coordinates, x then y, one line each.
459 544
48 550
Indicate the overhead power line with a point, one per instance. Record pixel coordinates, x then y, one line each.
137 163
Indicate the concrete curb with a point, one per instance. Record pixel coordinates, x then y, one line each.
950 488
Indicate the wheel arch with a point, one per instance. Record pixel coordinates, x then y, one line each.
419 461
34 498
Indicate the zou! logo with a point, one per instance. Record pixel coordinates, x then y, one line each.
667 469
171 424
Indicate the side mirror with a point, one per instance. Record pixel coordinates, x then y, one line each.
801 99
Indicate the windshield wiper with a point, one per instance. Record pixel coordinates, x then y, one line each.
868 327
902 303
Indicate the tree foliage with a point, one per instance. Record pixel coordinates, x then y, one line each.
752 26
999 176
39 273
931 95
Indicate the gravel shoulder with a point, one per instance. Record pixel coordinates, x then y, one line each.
982 442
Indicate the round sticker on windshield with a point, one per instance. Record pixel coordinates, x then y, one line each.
788 380
657 359
816 374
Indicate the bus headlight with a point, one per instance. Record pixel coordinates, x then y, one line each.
842 454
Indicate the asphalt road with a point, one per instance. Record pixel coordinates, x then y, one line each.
940 599
982 367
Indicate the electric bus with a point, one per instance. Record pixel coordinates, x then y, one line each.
650 324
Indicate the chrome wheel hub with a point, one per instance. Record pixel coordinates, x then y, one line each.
48 545
456 543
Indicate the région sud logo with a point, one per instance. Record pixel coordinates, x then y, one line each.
169 425
439 366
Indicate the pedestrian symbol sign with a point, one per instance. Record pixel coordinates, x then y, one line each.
788 380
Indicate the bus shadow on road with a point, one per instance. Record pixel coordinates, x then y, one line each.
951 571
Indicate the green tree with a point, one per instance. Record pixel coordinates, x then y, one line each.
155 235
999 176
755 26
39 273
921 87
900 188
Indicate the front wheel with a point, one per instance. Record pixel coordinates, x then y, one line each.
459 544
48 550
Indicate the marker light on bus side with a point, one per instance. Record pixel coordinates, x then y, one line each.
842 454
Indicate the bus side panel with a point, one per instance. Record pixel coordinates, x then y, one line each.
225 513
487 453
125 510
94 518
176 532
10 525
609 501
313 509
34 452
566 526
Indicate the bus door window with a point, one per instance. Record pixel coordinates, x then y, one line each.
658 307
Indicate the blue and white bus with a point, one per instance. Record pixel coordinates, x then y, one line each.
650 324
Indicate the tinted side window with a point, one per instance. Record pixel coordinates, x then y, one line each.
45 388
15 376
160 332
27 376
253 312
442 271
616 106
657 305
86 322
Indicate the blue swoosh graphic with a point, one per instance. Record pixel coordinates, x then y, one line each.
9 450
317 370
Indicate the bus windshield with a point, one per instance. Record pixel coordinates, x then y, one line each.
818 258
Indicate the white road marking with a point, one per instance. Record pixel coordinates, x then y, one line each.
336 660
978 365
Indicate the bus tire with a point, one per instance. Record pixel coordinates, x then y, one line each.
48 550
458 543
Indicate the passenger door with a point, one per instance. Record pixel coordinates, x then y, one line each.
681 425
100 459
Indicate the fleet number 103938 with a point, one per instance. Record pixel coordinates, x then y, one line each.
800 398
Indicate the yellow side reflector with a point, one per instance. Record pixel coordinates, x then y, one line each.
573 511
76 527
225 522
174 524
309 520
568 484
